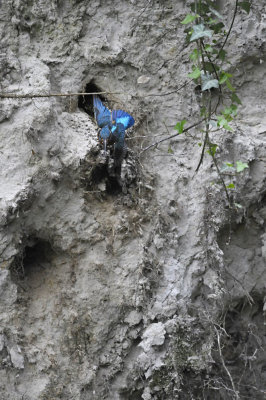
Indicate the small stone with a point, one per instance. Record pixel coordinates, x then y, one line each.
133 318
142 80
17 358
154 335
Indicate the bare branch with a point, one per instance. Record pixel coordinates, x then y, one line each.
223 363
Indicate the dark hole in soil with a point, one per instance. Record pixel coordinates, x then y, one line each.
86 102
99 173
34 255
112 186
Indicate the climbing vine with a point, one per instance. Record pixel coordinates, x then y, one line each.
206 32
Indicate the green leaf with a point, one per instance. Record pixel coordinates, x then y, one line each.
230 112
223 123
180 126
212 123
199 31
230 186
195 74
203 111
194 55
217 27
189 18
227 167
230 87
208 48
235 99
240 166
209 66
212 83
245 5
222 54
208 82
212 149
224 77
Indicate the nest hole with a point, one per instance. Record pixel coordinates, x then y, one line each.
86 102
34 256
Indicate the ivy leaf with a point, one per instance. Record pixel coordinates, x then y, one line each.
208 48
245 5
222 54
189 18
240 166
230 112
194 55
218 27
228 167
230 186
223 123
212 123
228 84
209 82
200 31
212 149
195 74
180 126
224 76
235 99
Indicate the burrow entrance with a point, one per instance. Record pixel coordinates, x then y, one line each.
37 254
86 102
102 172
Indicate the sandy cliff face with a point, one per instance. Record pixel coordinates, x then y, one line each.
116 288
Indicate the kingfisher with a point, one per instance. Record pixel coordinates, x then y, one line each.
103 119
113 127
121 121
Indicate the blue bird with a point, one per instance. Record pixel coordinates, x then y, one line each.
103 118
113 126
121 121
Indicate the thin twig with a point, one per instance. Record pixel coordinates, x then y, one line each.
220 175
31 96
172 136
225 367
250 299
145 136
229 31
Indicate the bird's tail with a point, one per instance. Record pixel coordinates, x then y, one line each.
99 108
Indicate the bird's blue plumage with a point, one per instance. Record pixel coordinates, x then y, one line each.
113 127
103 118
101 113
120 116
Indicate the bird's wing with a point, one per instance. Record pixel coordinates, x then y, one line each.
100 111
122 117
